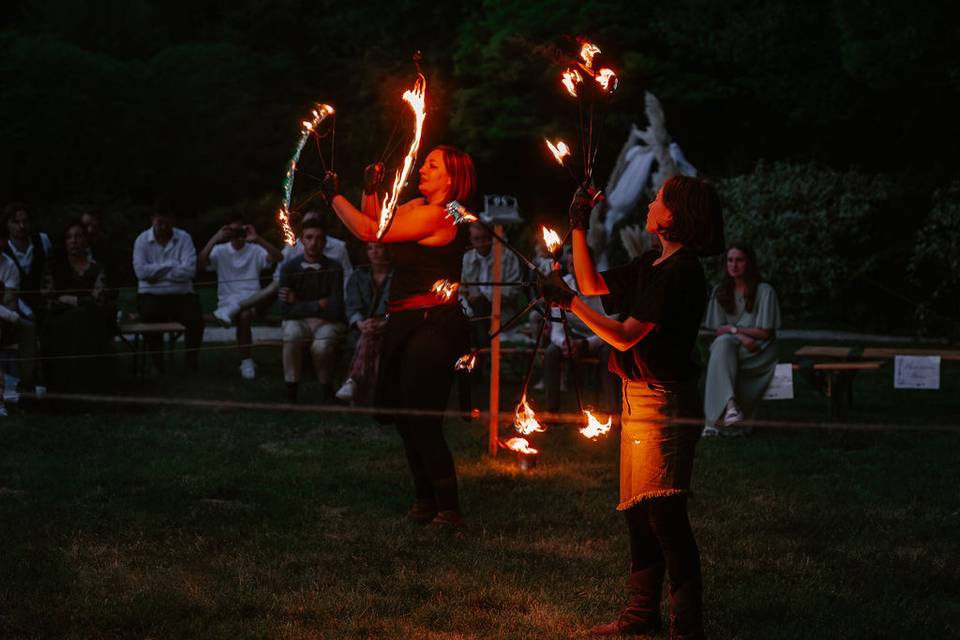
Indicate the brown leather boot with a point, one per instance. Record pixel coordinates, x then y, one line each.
423 511
642 613
686 611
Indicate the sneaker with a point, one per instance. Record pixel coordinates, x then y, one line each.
226 313
248 369
345 392
3 411
733 414
710 432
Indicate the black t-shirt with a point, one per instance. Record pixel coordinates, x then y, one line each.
416 267
672 295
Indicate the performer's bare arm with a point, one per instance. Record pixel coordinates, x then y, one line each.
589 281
370 205
415 221
619 335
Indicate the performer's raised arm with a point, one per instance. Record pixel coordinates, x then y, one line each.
589 281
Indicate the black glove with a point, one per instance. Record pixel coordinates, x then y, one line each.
580 208
330 187
555 291
372 177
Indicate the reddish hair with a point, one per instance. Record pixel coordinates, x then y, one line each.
463 176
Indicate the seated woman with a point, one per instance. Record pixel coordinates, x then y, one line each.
366 302
81 317
744 314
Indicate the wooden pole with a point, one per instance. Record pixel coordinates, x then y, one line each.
496 274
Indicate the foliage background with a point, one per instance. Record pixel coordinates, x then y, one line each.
117 103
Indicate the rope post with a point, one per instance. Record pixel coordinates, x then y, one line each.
493 431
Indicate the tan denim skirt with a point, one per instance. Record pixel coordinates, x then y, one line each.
656 457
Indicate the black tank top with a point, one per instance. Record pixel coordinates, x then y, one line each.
417 267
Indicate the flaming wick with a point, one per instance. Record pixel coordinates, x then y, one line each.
520 445
525 420
559 151
417 99
595 428
571 78
551 238
444 289
587 52
466 362
320 113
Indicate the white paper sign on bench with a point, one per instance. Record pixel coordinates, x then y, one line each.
916 372
781 387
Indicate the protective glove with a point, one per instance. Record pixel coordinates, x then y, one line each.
580 208
555 291
330 187
372 177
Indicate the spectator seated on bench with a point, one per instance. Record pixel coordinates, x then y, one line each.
744 314
238 255
165 262
80 317
311 304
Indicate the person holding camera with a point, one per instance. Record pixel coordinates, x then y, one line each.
238 255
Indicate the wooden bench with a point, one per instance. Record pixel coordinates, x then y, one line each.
874 353
140 331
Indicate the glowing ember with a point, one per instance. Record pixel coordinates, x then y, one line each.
520 445
551 239
417 99
320 113
571 78
607 79
466 362
560 151
525 419
595 428
459 213
587 52
444 289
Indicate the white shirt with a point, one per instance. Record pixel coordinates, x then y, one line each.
25 258
478 268
238 271
164 269
577 327
335 249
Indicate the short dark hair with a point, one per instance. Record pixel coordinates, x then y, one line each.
236 217
313 223
12 208
71 223
696 210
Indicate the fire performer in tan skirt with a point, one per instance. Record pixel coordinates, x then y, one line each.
660 298
426 332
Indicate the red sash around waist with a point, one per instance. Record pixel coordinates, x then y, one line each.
421 301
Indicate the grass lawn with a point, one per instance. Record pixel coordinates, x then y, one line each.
134 522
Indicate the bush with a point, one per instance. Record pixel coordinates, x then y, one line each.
935 263
814 229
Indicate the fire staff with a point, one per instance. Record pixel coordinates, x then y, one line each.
660 298
426 332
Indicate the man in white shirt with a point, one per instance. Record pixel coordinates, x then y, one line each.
165 262
238 255
30 251
584 344
12 327
478 267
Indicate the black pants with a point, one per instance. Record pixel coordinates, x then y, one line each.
660 535
183 308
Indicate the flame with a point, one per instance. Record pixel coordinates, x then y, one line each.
525 419
444 289
520 445
320 113
284 218
466 362
595 428
417 99
607 79
551 239
587 51
571 78
459 213
560 151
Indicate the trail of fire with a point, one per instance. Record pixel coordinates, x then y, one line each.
417 99
320 113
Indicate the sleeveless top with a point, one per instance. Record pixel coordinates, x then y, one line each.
417 267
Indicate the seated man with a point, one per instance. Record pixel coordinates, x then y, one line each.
583 343
10 320
238 255
478 267
165 261
334 249
311 304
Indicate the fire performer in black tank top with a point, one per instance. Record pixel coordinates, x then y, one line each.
426 332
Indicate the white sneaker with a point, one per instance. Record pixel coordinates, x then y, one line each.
710 432
733 414
3 411
226 313
345 392
248 369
